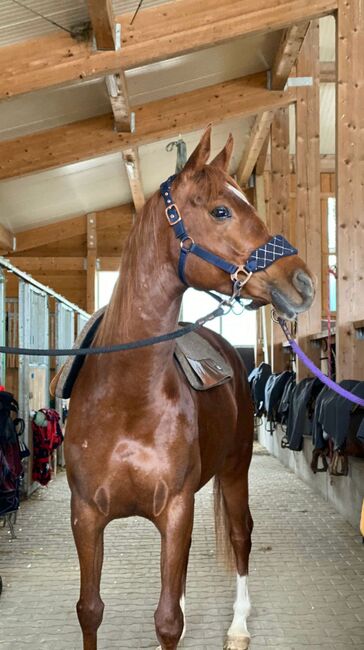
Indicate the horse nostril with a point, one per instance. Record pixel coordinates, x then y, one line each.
303 283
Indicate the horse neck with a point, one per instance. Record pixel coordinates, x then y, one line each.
147 297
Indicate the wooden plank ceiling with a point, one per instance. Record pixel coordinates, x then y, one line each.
179 66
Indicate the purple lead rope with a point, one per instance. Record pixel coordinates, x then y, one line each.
315 371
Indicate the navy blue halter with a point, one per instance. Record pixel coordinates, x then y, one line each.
261 258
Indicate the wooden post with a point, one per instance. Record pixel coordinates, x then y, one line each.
279 210
262 347
91 262
350 187
308 209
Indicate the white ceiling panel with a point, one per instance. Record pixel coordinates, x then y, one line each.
19 23
52 107
99 183
60 193
204 68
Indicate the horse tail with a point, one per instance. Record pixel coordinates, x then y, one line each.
224 549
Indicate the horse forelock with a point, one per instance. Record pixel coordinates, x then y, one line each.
212 182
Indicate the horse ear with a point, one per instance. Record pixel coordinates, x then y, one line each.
200 155
222 160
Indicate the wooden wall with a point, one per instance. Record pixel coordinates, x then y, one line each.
62 264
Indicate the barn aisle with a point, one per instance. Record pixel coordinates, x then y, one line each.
306 585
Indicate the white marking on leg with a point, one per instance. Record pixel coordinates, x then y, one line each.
242 609
182 604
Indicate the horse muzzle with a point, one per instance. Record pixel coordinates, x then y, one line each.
304 286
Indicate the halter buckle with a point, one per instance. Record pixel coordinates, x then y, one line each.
241 269
171 218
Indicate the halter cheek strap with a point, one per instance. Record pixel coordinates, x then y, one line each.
260 259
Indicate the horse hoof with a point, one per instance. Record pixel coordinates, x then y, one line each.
237 643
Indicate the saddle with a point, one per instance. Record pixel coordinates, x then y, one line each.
202 365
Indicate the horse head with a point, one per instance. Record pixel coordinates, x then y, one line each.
213 219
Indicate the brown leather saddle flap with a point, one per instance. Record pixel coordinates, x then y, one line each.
202 365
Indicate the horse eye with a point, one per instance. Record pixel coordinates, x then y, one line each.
221 212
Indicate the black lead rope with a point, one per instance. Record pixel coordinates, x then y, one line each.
119 347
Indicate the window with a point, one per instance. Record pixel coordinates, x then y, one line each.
329 258
238 328
104 287
331 236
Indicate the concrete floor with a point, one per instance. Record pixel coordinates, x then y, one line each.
306 584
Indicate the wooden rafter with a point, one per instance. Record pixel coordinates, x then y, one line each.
258 136
117 89
132 167
44 235
261 163
161 32
61 263
103 23
157 120
288 51
102 19
285 59
44 264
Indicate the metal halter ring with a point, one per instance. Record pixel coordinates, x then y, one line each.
187 248
241 269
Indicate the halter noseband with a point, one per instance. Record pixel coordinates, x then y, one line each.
262 257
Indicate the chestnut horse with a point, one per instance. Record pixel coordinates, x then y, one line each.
139 440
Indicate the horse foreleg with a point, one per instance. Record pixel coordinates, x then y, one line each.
234 489
88 531
176 530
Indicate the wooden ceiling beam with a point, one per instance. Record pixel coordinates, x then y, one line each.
54 232
286 57
157 120
61 263
42 264
161 32
119 100
257 138
132 167
103 25
287 54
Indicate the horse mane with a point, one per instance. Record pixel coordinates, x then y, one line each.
141 248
